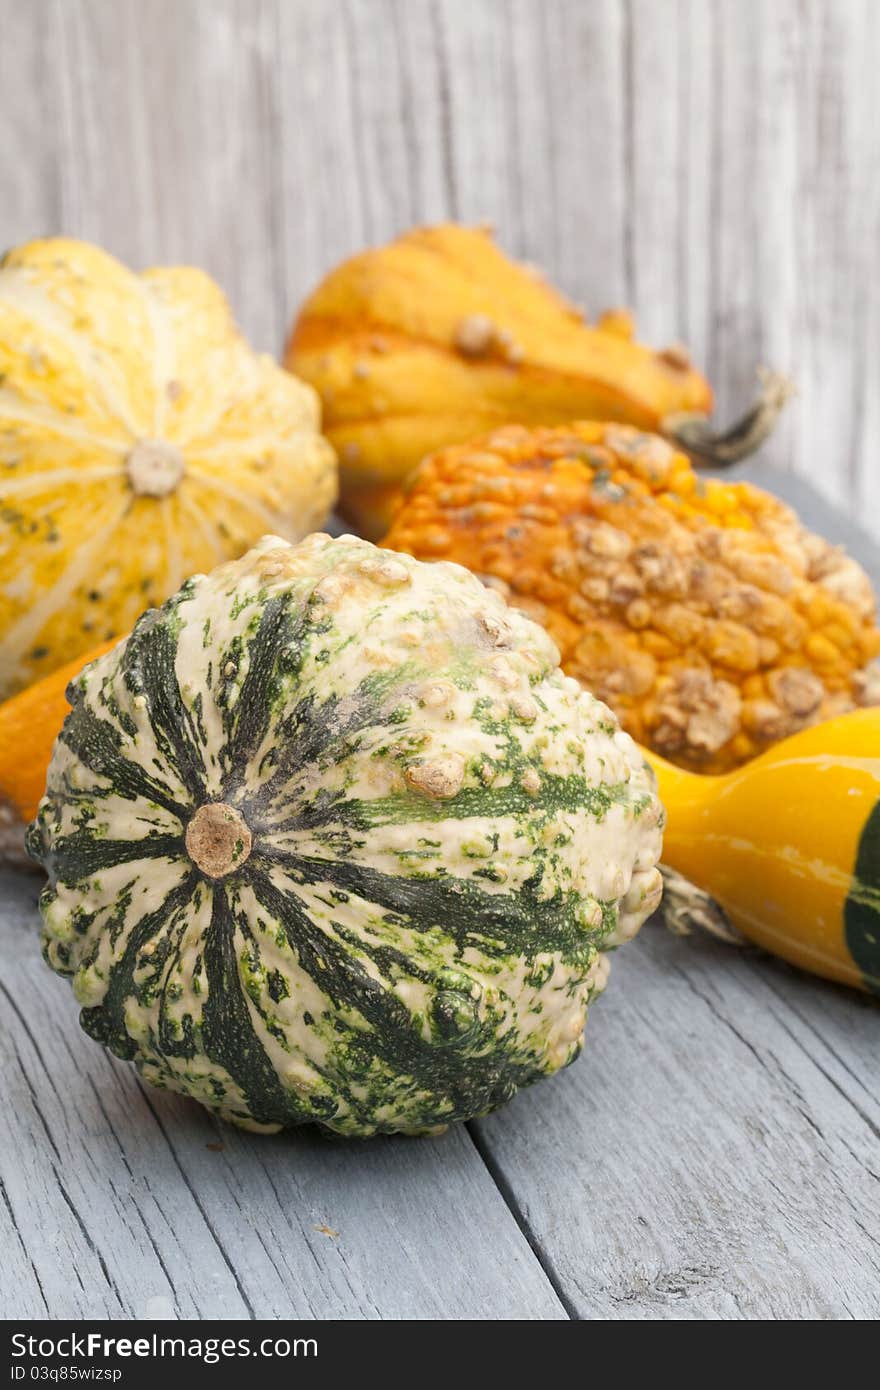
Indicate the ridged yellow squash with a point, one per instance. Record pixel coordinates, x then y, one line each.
439 337
141 440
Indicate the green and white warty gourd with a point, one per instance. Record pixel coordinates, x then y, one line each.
331 838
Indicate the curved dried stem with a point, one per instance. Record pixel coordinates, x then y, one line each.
694 433
685 908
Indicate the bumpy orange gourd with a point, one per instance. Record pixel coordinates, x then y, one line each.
439 336
141 440
703 612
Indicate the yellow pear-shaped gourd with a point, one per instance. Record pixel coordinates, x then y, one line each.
141 440
789 845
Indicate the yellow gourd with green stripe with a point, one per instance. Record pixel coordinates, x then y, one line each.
789 845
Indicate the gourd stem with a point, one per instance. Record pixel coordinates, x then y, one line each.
154 468
218 839
694 433
686 909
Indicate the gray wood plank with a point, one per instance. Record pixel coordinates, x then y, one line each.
163 137
29 174
713 1154
115 1205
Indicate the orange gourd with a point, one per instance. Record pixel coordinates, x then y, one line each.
29 724
702 612
440 336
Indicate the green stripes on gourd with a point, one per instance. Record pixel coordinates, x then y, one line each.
330 838
861 911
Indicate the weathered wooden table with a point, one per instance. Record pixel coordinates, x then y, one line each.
713 1154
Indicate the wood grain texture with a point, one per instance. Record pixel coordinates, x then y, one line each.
715 163
113 1204
714 1152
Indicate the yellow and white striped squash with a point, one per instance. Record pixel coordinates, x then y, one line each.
141 440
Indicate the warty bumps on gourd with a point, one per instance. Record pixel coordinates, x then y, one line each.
331 838
706 614
141 439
